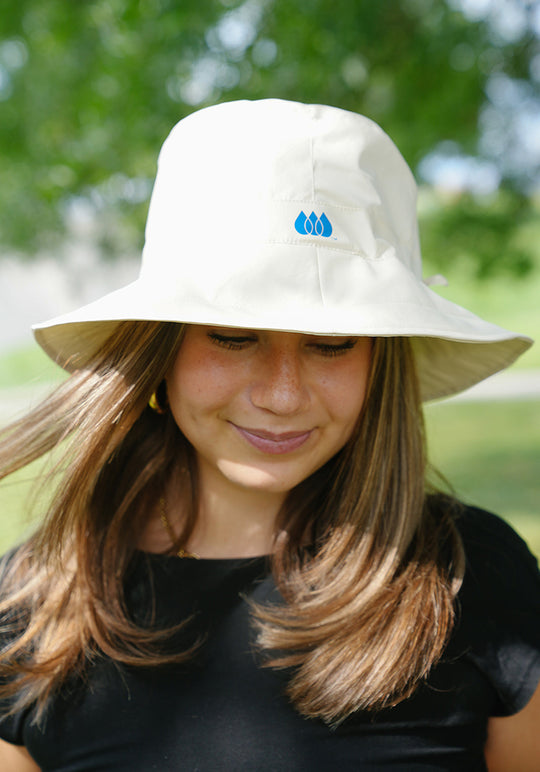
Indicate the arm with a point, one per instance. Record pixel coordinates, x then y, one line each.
15 758
514 742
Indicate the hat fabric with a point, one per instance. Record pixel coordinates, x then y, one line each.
283 216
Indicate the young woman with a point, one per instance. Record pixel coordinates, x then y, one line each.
243 566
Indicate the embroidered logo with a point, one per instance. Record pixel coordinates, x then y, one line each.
313 225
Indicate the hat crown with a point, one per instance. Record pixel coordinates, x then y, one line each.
241 175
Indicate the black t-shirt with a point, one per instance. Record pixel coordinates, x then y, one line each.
224 712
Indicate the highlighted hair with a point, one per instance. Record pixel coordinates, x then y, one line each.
368 570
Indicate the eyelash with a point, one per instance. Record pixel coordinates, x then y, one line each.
334 350
238 343
232 343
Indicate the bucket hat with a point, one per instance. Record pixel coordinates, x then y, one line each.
284 216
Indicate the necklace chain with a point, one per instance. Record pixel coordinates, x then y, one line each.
181 553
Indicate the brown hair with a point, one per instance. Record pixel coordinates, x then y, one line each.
368 604
369 611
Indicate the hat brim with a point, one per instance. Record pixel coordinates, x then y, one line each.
454 348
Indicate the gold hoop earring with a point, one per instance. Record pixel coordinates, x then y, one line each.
159 402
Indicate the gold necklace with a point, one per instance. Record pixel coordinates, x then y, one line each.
182 553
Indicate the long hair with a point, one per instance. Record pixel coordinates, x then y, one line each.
369 609
368 599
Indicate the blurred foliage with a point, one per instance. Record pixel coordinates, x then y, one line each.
89 90
482 237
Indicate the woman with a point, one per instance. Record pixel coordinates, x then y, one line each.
242 567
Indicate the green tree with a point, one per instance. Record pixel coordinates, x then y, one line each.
90 89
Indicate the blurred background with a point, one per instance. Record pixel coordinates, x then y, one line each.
89 90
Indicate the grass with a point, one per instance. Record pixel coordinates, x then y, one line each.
26 365
20 504
490 453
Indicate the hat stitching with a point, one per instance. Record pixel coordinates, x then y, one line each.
323 301
331 246
312 167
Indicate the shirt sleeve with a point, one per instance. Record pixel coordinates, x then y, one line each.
499 609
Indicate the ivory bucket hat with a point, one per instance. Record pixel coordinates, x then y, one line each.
284 216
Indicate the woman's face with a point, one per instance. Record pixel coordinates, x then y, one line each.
264 410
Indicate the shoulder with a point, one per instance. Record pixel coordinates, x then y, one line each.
498 607
485 530
499 564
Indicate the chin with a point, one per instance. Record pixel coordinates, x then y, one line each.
255 479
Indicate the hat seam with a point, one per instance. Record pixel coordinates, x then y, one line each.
354 251
312 167
321 292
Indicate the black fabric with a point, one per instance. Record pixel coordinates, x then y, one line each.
224 712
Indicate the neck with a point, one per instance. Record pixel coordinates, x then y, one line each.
234 522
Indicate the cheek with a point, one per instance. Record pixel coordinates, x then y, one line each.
349 406
198 383
350 387
186 385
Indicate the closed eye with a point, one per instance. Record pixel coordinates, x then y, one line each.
231 342
334 349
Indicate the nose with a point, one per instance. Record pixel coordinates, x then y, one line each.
279 385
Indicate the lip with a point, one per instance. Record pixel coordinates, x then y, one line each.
270 442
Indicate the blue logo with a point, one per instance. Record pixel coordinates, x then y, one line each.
313 225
